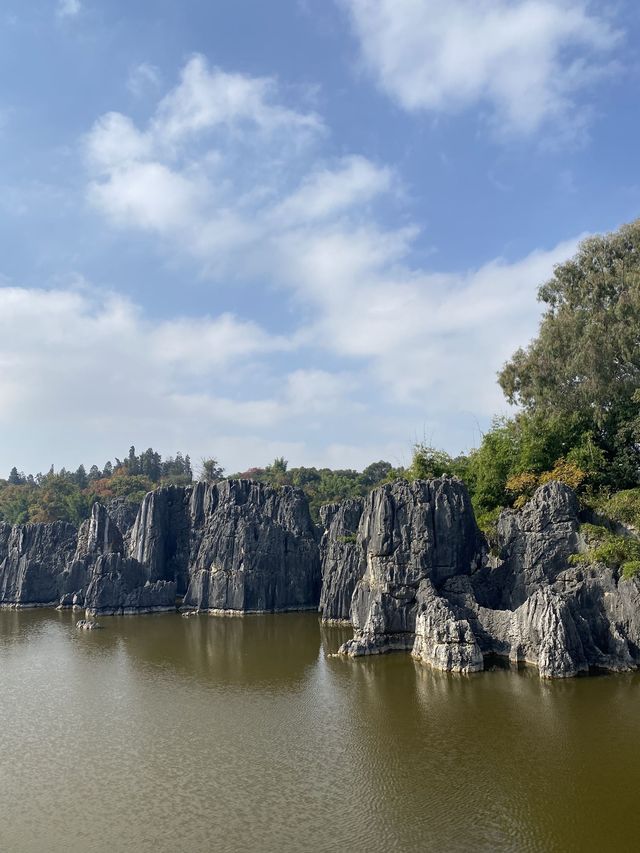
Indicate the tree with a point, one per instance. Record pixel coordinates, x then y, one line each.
15 478
81 478
584 364
133 466
210 470
375 473
276 473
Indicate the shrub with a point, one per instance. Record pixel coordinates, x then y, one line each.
623 507
630 569
605 547
564 472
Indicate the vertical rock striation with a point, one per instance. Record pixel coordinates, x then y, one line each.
342 558
410 532
251 548
32 558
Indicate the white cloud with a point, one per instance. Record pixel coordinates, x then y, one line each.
329 192
229 175
208 98
523 60
68 8
144 78
82 370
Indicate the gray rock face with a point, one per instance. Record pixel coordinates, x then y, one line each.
104 580
237 545
120 584
443 639
32 558
407 564
342 558
410 532
530 605
251 548
536 542
159 538
123 513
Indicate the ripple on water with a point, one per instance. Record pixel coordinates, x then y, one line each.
166 734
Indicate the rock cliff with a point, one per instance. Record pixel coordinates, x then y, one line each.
251 548
233 546
407 565
410 532
342 558
453 605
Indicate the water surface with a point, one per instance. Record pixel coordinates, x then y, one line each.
161 733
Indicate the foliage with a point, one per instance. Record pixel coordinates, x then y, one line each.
323 485
429 462
622 507
487 522
68 495
630 569
605 547
584 364
211 471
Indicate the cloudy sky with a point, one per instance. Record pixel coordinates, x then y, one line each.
310 228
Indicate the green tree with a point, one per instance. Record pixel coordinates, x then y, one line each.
210 470
15 478
584 365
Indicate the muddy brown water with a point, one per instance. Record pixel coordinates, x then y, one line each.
160 733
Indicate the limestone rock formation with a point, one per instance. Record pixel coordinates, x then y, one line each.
104 580
407 565
410 532
251 548
342 558
443 639
159 538
529 605
32 558
536 542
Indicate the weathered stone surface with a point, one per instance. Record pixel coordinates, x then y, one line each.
410 532
99 534
421 577
252 548
159 539
32 558
120 585
528 605
342 558
123 513
536 542
442 639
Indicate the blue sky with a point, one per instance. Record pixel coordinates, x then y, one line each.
310 228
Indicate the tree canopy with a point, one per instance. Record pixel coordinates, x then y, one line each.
584 364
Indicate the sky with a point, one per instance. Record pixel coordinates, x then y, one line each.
304 228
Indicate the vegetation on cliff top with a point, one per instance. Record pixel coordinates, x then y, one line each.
577 386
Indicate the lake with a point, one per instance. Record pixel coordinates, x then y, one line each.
161 733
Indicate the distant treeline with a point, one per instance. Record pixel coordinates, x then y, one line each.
69 495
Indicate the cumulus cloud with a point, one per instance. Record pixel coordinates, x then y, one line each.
523 61
81 366
230 174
